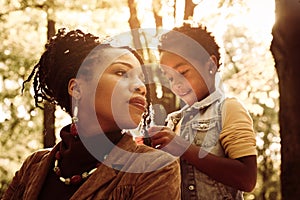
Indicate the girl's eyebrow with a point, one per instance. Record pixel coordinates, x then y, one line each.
123 63
179 65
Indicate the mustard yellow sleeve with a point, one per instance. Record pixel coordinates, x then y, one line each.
237 136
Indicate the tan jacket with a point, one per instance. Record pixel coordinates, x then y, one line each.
157 177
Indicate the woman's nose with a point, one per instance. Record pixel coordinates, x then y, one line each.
139 87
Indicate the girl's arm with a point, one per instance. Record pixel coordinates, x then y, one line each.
239 173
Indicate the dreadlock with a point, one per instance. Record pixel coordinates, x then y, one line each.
64 54
200 34
58 64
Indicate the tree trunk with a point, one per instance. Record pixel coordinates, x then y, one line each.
189 9
49 109
285 48
167 103
135 25
156 8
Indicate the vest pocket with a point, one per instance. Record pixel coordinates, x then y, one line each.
206 133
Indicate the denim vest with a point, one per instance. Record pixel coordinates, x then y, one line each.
201 125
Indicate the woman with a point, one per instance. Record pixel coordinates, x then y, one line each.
102 88
217 143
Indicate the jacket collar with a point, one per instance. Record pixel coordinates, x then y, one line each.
108 170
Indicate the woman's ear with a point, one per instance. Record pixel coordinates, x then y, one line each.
74 88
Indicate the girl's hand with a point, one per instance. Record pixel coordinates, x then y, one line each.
165 139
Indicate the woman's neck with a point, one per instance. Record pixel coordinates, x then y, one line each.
113 136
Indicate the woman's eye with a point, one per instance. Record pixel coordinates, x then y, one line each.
122 73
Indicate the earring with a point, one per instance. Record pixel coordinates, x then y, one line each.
123 131
211 71
74 129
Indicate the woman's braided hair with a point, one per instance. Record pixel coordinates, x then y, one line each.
60 62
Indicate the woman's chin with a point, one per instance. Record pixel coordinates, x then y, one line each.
136 121
131 123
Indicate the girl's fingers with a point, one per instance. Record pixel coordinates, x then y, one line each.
160 136
155 129
157 135
160 142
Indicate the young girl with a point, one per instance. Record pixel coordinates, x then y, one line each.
102 88
217 145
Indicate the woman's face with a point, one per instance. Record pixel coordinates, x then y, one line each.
185 80
120 99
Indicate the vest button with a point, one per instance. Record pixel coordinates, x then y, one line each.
191 187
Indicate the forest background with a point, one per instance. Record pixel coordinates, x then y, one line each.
242 28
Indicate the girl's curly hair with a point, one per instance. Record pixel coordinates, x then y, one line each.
200 34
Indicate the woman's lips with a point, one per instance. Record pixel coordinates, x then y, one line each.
138 102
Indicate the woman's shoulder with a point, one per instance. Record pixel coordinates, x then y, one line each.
37 156
152 151
154 157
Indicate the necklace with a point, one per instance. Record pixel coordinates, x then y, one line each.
75 179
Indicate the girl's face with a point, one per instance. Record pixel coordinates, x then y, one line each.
119 97
185 80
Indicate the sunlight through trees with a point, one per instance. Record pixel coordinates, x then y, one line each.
242 28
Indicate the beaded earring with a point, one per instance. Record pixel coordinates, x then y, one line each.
74 129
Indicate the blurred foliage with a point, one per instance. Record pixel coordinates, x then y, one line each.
248 69
251 76
20 122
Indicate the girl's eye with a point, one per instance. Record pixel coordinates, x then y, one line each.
183 72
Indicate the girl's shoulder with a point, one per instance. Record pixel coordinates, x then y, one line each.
232 104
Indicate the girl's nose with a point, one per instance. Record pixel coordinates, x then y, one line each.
177 83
